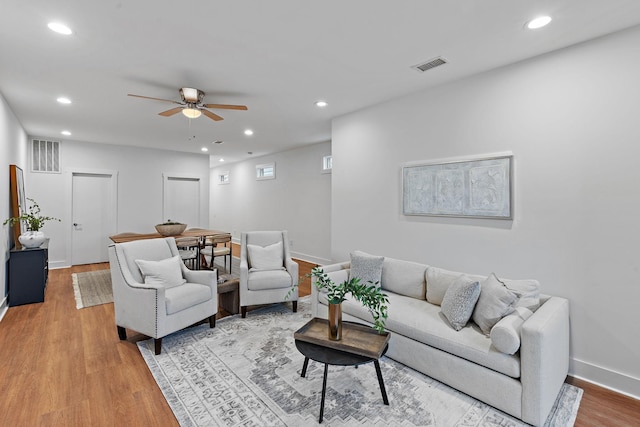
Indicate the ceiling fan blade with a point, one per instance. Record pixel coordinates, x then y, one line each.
155 99
171 112
211 115
226 106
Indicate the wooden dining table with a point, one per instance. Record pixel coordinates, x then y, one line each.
197 232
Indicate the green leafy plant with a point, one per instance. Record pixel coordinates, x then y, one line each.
32 217
370 296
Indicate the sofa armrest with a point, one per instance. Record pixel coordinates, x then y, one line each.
544 358
334 271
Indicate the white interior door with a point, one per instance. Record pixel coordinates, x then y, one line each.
182 200
93 219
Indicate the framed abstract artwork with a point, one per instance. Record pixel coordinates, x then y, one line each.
479 188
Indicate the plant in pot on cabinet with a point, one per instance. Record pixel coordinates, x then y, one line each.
34 221
370 296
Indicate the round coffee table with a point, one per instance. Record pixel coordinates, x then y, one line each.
320 352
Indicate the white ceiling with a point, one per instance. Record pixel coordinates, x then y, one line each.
277 57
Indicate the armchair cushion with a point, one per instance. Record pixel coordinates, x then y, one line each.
166 272
188 295
269 279
265 258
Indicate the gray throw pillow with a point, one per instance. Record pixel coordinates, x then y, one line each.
368 268
495 302
459 301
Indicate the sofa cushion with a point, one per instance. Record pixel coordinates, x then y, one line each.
268 279
459 301
166 273
179 298
424 322
505 335
404 278
265 258
439 279
367 268
495 302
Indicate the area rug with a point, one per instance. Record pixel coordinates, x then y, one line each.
246 372
92 288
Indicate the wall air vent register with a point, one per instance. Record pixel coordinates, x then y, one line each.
45 156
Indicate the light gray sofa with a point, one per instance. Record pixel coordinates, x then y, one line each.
524 384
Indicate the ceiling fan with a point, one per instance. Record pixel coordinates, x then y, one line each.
192 106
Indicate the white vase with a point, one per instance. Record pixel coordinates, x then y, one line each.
32 239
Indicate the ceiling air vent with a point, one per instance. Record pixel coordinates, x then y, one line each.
432 63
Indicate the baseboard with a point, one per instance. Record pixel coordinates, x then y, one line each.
606 378
53 265
310 258
4 306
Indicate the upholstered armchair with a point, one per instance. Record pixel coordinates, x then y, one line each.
267 272
154 293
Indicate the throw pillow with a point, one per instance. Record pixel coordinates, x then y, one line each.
459 301
505 335
367 268
166 273
495 302
265 258
438 281
528 292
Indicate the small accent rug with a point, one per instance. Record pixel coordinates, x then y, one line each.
92 288
246 372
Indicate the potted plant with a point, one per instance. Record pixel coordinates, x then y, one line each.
171 228
370 296
34 221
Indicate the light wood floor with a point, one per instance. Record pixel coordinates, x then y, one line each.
63 366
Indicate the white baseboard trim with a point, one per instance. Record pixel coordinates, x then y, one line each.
4 306
606 378
53 265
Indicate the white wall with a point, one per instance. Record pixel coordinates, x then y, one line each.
571 119
298 200
13 151
140 182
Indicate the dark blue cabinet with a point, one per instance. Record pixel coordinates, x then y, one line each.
28 272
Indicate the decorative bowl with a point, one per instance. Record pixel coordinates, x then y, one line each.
169 230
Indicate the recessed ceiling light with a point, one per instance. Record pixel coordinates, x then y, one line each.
248 132
63 100
59 28
321 104
221 159
538 22
66 133
205 149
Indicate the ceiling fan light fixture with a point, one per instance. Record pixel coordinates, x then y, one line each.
192 113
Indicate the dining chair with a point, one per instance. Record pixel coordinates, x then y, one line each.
219 245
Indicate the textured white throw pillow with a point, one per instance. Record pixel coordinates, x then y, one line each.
367 268
505 335
459 301
266 258
495 302
166 273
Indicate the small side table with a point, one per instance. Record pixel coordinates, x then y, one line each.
359 344
229 296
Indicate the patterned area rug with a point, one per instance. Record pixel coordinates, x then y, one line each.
246 372
92 288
